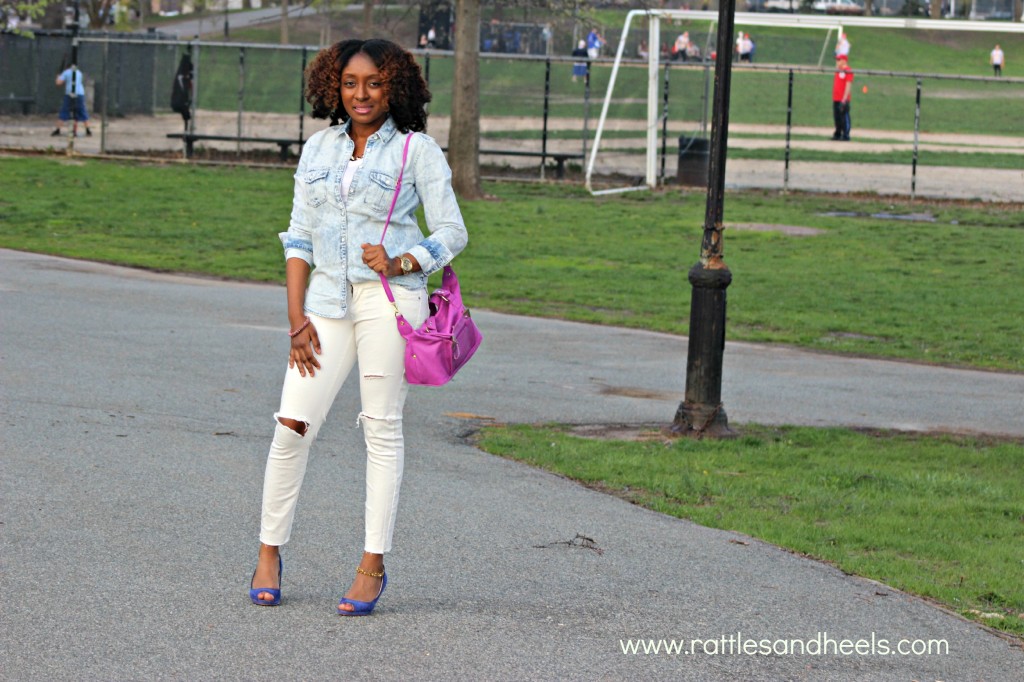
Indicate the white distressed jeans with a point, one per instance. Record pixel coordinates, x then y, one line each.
367 334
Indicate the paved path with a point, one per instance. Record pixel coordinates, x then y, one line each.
137 413
212 24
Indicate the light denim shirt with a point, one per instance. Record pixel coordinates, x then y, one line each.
328 232
65 77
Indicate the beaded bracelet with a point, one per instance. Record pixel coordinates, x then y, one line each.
295 332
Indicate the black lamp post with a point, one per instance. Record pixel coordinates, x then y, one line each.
225 18
702 413
74 79
74 33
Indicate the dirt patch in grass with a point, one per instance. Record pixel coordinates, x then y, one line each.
792 230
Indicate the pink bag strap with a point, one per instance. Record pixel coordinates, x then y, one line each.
394 200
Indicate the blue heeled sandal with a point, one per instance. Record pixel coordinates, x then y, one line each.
364 608
254 592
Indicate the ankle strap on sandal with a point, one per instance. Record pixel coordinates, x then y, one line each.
372 574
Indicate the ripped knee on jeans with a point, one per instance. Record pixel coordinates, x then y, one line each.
299 427
363 418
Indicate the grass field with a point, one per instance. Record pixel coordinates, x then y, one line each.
516 88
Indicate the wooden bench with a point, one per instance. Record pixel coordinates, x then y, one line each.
25 102
559 157
191 138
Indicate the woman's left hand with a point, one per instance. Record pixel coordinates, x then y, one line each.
378 260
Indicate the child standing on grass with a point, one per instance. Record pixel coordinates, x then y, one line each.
996 59
842 90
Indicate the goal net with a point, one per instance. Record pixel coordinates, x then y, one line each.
687 38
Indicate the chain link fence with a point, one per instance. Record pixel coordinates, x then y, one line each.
531 105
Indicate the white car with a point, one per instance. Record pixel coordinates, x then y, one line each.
773 6
837 7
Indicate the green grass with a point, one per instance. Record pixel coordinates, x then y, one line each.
941 517
943 292
170 218
516 88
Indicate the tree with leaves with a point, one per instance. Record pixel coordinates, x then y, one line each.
32 11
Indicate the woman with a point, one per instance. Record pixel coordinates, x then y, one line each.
579 69
374 95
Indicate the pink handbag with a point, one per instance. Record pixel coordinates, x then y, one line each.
448 337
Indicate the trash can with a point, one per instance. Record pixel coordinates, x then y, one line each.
693 161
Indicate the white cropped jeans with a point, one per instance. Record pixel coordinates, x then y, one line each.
367 334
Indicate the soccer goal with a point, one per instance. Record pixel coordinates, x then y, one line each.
809 51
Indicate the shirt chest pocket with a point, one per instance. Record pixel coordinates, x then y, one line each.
379 191
317 185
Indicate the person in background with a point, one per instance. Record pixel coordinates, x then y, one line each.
681 47
579 69
595 41
72 107
744 47
842 90
996 58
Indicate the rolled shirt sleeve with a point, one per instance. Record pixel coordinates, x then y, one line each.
297 241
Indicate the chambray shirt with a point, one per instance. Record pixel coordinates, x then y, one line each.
328 233
65 77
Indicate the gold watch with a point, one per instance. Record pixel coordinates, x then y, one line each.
406 265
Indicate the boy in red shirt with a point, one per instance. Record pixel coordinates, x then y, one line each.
842 89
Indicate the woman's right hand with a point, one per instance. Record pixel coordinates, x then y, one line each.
305 348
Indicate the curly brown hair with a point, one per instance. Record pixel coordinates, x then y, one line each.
404 88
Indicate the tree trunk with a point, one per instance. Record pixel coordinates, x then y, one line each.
464 132
936 9
1018 10
325 23
367 19
869 7
284 22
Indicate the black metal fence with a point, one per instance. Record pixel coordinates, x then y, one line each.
128 74
529 103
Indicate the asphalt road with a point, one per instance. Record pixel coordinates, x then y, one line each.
137 411
213 22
